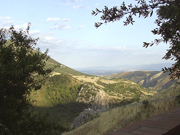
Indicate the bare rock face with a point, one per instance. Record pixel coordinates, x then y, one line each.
101 101
97 99
94 96
85 116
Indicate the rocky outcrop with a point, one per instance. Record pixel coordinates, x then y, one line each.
83 117
97 98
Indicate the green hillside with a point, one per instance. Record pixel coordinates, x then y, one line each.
152 80
61 68
124 90
117 118
64 96
58 98
136 76
67 92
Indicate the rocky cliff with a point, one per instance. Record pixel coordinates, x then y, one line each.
94 96
85 116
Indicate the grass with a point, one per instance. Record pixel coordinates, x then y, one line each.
122 116
58 98
54 97
61 68
125 88
152 80
64 113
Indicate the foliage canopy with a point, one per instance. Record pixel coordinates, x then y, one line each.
168 24
22 68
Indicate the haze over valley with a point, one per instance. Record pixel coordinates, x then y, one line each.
68 93
106 70
64 72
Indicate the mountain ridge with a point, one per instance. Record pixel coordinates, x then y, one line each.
106 70
152 80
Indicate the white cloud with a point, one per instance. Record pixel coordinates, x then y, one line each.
68 1
77 7
5 17
21 26
34 32
62 26
65 20
81 26
49 40
53 19
109 48
6 21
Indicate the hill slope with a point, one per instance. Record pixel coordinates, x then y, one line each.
61 68
152 80
68 92
114 91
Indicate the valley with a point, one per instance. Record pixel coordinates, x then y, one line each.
70 67
67 94
152 80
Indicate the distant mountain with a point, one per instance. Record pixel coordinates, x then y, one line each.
152 80
104 70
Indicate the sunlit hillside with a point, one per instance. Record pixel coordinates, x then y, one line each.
68 92
61 68
120 117
152 80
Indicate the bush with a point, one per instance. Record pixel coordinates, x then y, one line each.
34 124
145 104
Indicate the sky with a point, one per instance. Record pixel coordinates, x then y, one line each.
66 28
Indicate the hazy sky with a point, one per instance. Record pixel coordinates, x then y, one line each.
66 27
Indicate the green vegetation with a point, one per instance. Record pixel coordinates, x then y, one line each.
58 89
88 90
58 97
18 66
126 88
26 79
61 68
125 115
61 89
152 80
135 76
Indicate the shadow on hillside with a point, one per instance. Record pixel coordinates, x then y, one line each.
169 84
65 113
123 102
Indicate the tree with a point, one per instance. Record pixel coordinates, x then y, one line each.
168 24
22 68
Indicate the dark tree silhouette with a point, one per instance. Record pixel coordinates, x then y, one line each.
22 69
